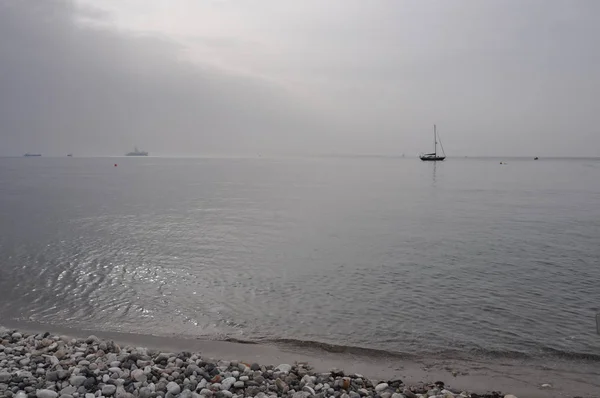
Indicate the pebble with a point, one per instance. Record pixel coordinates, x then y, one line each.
228 383
173 388
109 389
138 375
45 366
284 368
381 387
77 380
145 392
46 394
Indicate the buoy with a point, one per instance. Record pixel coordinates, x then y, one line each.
115 165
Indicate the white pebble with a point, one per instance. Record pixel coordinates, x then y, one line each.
284 367
381 387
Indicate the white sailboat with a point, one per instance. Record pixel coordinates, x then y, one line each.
434 156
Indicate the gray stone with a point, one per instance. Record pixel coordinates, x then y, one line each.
284 368
281 385
68 390
89 383
185 394
238 384
409 394
17 336
173 388
89 395
63 374
77 380
109 389
224 394
228 383
308 390
201 384
46 394
5 377
191 369
138 375
145 392
252 391
396 395
381 387
363 392
92 340
206 392
60 354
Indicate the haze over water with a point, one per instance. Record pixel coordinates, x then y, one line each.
466 256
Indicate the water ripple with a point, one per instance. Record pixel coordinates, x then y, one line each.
376 257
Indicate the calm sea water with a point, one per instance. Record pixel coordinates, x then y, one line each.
466 256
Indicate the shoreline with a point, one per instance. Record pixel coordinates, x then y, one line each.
510 376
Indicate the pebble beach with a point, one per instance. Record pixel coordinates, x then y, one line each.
42 365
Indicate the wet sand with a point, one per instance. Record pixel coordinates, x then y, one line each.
522 378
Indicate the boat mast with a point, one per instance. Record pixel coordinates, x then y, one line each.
434 141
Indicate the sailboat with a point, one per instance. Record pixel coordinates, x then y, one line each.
434 156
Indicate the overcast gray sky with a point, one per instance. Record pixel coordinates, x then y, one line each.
499 77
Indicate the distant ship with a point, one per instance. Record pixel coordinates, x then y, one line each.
137 152
70 155
32 154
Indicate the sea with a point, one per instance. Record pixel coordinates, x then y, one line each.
469 257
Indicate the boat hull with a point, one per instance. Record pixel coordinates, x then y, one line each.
432 158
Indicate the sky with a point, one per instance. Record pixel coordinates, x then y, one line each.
311 77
